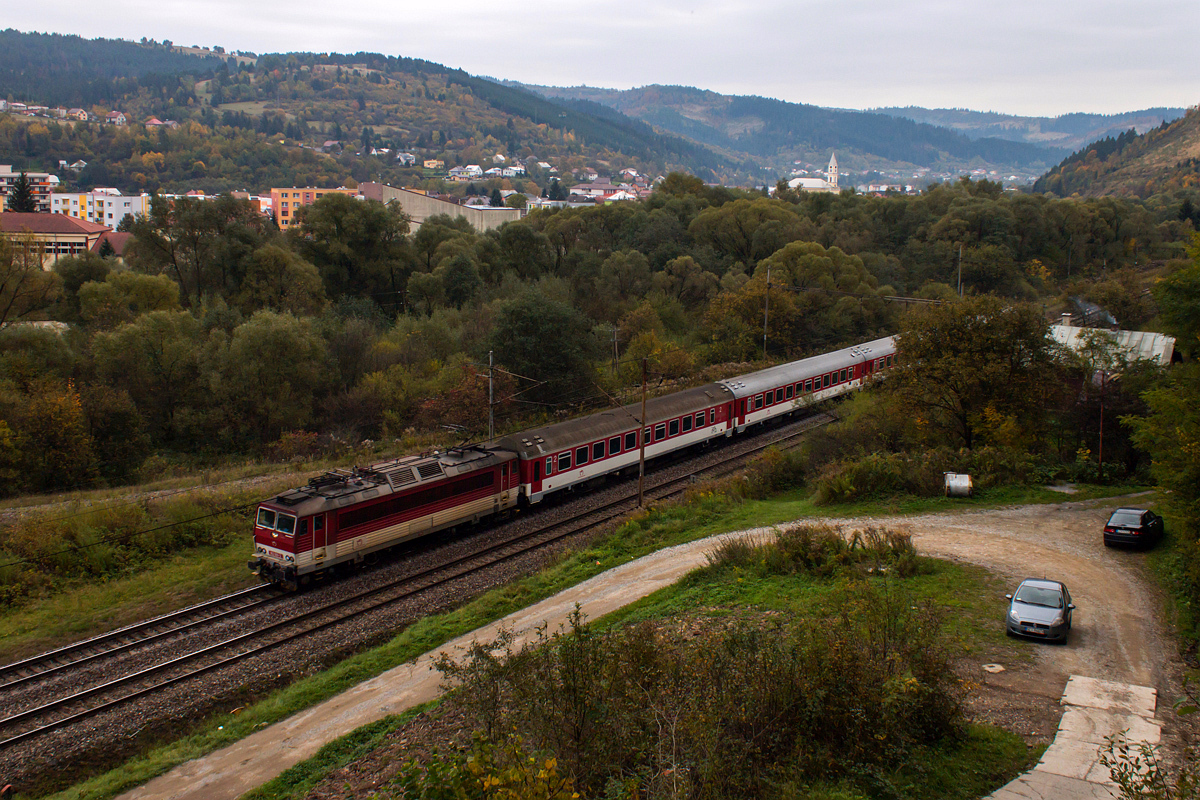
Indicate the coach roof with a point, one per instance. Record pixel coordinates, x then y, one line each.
603 424
783 374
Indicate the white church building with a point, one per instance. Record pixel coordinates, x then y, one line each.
827 184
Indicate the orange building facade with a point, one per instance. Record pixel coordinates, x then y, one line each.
284 202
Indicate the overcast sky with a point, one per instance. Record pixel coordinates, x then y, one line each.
1014 56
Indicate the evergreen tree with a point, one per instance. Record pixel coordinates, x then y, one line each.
21 197
496 201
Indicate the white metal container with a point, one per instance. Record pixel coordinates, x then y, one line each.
957 485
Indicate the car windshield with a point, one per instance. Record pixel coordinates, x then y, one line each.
1125 518
1039 596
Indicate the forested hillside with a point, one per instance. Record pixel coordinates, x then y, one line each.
54 69
364 101
778 132
1065 131
1165 159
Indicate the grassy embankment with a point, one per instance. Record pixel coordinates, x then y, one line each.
704 515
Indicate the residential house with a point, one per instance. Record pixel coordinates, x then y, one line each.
435 163
407 159
512 172
587 174
77 114
466 174
499 158
115 118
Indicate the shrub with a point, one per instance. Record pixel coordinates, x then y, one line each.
734 713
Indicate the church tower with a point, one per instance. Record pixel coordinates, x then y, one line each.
831 174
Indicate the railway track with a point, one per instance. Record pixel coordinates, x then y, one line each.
32 721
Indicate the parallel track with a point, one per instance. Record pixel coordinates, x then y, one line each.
33 722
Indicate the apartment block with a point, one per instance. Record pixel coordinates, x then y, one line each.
104 206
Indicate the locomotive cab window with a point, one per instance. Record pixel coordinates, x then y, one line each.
319 522
660 431
614 445
286 524
580 456
673 428
564 461
303 529
597 451
687 423
266 518
630 440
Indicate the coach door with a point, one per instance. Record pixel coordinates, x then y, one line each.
318 523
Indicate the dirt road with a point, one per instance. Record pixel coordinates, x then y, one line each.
1116 633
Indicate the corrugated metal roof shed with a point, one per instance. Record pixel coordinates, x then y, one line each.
1138 345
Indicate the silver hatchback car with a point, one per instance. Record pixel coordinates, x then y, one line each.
1040 609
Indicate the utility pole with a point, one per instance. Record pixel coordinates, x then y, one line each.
1100 450
960 269
491 395
614 358
642 439
766 311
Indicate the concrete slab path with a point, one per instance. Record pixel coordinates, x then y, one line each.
228 773
1070 768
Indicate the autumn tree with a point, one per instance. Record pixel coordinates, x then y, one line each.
359 246
25 287
975 371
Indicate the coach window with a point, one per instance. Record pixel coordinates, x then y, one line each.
564 461
285 524
825 381
266 518
712 416
788 396
597 451
549 466
779 395
630 440
808 387
646 436
614 445
687 423
660 430
844 376
580 456
758 402
674 428
700 419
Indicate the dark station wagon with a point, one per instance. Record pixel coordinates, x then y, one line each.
1135 526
